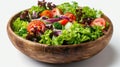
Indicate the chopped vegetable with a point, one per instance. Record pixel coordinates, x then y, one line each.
67 7
68 25
45 38
56 12
107 25
49 26
47 5
37 9
52 20
99 22
65 17
19 26
25 15
57 25
87 12
57 32
63 21
35 15
36 27
96 32
70 16
47 13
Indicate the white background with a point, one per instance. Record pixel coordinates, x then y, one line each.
11 57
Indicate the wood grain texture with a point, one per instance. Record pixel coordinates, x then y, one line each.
59 54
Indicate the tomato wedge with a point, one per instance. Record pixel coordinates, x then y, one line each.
99 22
36 26
47 13
63 21
71 16
56 12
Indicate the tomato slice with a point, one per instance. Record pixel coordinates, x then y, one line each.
56 12
36 26
47 13
63 21
99 22
71 16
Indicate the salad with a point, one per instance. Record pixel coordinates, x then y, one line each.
64 24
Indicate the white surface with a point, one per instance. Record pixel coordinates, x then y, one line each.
11 57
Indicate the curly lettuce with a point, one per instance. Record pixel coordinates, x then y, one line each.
75 35
45 39
37 9
67 7
88 12
20 27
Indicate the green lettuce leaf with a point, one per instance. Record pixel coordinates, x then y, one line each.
75 35
67 7
19 27
36 9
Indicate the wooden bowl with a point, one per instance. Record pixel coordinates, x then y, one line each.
59 54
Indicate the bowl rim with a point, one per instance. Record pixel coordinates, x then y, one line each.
9 27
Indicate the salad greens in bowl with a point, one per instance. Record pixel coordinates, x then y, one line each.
55 33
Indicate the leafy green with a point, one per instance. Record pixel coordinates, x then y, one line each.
72 33
57 25
67 7
36 9
45 38
87 12
107 25
19 26
68 25
91 13
96 32
75 35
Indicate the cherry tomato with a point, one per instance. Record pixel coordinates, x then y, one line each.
47 13
36 26
56 12
63 21
71 16
99 22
